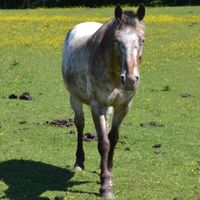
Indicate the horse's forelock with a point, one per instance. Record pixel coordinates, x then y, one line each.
130 19
105 33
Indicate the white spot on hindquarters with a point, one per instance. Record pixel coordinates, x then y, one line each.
77 36
75 39
84 29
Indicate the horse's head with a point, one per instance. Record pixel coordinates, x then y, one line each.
129 42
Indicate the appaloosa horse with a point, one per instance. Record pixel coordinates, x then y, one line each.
100 68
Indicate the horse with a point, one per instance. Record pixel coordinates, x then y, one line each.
100 68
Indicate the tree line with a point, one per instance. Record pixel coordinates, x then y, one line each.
22 4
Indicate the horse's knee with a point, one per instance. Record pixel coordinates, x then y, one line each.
103 145
79 121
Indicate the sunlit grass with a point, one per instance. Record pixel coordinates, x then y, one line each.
30 60
42 28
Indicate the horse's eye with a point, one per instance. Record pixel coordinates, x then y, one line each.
116 41
122 47
141 42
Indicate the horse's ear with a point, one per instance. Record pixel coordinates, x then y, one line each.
118 13
141 11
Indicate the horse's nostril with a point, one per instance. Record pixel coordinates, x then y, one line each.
123 78
136 78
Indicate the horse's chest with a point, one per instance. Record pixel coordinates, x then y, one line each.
108 94
119 97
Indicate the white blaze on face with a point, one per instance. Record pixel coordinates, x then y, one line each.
131 44
136 72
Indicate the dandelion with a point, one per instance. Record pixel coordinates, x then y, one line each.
34 28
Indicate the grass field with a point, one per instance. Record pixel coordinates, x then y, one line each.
36 159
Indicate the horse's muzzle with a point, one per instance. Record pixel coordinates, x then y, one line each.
130 83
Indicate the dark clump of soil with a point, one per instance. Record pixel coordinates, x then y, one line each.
23 122
166 88
12 96
25 96
59 198
127 149
185 95
177 198
72 133
122 142
151 124
192 24
95 172
89 137
156 146
61 123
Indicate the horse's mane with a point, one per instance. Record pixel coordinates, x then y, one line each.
130 19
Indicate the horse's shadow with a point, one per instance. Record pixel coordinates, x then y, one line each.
27 180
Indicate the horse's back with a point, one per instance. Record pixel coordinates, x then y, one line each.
75 57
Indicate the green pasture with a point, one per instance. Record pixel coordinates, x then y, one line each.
36 159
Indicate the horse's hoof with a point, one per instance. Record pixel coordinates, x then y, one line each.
77 169
107 195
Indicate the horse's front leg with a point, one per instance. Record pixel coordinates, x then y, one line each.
99 117
119 114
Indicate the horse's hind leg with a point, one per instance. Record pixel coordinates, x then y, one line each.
79 121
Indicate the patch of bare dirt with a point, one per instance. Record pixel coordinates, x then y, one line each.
89 137
72 133
24 96
177 198
185 95
12 96
156 146
63 123
151 124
